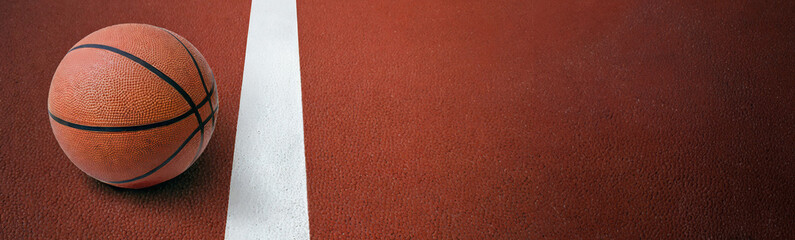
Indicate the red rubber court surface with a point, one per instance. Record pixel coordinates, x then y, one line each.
442 119
548 119
42 194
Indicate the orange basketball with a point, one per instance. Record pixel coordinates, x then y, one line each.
133 105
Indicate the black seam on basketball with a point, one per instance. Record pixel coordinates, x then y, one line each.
214 87
152 69
129 128
201 143
195 64
173 84
201 78
150 172
212 127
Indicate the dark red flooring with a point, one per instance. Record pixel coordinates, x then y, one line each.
548 119
42 195
451 119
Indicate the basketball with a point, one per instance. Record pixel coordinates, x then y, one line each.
133 105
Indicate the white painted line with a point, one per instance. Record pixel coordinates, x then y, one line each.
268 195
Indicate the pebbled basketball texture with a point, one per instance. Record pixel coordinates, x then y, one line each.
133 105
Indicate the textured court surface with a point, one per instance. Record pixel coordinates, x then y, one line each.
452 119
42 194
548 119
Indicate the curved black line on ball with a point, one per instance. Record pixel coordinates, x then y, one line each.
129 128
195 64
182 92
201 127
212 128
152 69
201 78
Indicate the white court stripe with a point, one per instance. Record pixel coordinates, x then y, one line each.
268 195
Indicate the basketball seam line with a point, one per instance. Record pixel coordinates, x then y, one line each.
201 127
129 128
152 69
201 78
204 124
176 87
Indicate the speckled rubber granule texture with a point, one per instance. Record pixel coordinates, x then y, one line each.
42 194
548 119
